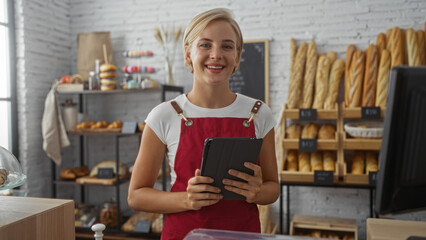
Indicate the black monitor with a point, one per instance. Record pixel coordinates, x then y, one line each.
401 179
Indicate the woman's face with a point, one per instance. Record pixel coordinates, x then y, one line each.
213 53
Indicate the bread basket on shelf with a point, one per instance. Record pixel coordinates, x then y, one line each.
364 129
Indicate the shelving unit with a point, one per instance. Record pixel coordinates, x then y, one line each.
81 231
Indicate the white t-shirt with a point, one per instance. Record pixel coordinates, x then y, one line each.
166 123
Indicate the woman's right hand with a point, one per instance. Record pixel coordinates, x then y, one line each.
200 193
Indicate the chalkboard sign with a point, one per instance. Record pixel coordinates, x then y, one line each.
252 76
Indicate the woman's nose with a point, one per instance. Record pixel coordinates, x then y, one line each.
216 53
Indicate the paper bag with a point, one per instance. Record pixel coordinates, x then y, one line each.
90 48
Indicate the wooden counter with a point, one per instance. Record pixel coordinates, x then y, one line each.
24 218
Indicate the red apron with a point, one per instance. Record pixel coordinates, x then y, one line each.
237 215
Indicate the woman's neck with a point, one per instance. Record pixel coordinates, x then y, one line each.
211 97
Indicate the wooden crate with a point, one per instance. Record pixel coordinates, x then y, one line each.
352 179
306 225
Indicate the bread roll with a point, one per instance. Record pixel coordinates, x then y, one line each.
293 49
316 161
292 160
383 79
358 163
332 56
381 43
81 171
310 131
333 83
293 132
329 160
371 163
412 48
356 79
3 175
67 174
397 51
370 78
321 82
422 46
327 131
349 54
304 162
309 79
296 77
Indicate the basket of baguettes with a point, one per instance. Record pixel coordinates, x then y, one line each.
315 82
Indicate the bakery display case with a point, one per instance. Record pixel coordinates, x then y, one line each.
118 173
11 174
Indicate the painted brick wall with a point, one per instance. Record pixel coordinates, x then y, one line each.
47 48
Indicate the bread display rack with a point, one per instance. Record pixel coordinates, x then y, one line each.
115 182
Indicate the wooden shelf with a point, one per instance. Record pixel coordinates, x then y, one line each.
111 92
321 113
101 132
356 112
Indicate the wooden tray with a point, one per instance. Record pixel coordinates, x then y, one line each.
356 112
321 113
361 143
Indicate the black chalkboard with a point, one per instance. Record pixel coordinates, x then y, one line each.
252 76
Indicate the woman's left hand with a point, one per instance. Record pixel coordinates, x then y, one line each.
248 189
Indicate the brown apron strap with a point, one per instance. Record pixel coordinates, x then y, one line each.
179 111
253 112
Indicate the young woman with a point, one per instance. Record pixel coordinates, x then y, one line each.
212 49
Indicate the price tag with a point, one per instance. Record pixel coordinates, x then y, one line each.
323 177
129 127
372 176
308 145
370 112
105 173
308 114
142 226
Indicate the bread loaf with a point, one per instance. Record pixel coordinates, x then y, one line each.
309 78
316 161
321 82
381 43
310 131
349 54
422 46
327 131
370 77
296 77
293 50
383 79
412 48
397 51
304 162
358 163
332 56
356 79
329 160
122 168
371 164
336 73
67 174
293 131
389 39
292 160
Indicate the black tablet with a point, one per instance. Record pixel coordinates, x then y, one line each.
222 154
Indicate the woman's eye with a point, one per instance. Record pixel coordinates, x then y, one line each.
204 45
229 47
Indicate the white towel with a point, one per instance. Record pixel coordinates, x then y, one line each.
52 126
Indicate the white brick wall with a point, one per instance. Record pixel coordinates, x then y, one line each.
46 49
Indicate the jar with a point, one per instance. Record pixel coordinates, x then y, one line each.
108 215
69 114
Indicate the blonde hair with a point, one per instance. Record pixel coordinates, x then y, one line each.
199 22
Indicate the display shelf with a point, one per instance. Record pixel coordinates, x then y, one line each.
117 91
321 113
322 144
110 182
103 132
360 143
357 112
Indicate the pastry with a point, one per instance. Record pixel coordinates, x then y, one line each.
422 46
370 78
358 163
3 175
310 131
293 132
371 163
383 79
326 131
329 160
316 161
349 55
412 48
304 162
309 78
356 79
292 161
67 174
81 171
321 82
336 73
122 169
296 77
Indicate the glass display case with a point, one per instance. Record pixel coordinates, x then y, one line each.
11 174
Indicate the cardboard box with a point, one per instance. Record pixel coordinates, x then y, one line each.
381 229
323 227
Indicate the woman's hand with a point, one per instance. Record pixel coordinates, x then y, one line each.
200 193
251 188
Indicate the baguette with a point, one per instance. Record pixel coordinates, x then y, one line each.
397 51
383 79
371 164
332 56
422 46
356 77
349 54
336 73
321 82
310 131
370 78
327 131
381 43
293 132
296 77
304 162
293 49
329 161
412 48
292 160
316 161
389 39
309 79
358 163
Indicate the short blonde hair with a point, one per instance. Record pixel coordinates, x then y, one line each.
199 22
